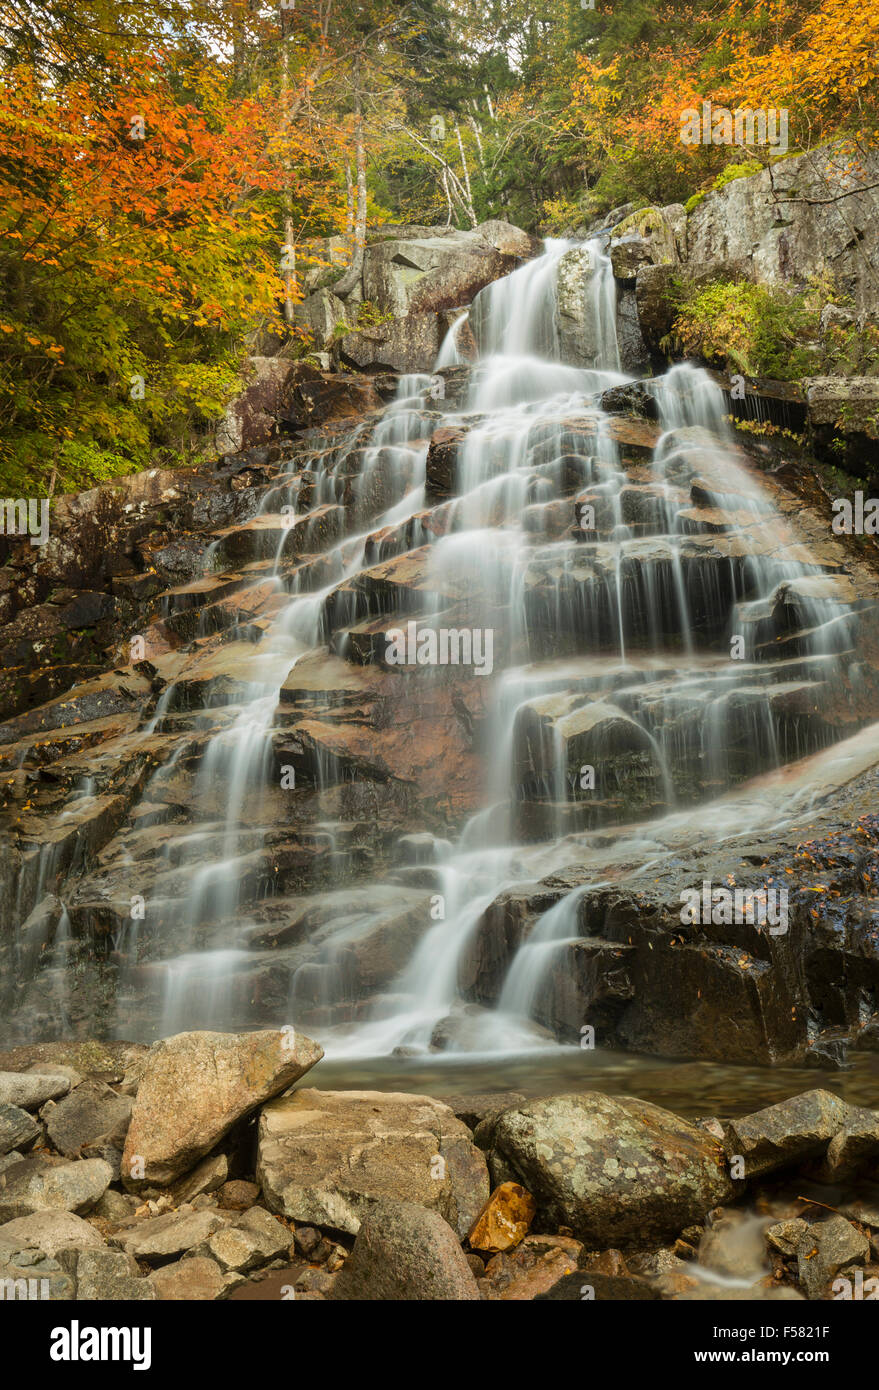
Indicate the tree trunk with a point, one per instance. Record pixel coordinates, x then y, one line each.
469 200
352 275
349 209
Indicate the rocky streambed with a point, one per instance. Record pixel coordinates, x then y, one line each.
206 1168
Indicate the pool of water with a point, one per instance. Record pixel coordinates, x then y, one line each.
691 1089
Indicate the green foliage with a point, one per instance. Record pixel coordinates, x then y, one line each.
560 215
369 315
750 328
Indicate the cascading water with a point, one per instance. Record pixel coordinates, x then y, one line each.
601 559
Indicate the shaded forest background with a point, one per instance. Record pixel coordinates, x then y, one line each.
164 167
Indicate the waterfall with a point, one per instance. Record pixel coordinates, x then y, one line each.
597 550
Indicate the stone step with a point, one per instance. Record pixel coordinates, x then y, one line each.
269 535
405 584
231 614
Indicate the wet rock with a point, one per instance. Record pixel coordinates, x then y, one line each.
629 400
575 325
403 1252
827 1249
468 1028
92 1114
190 1280
30 1090
504 1220
533 1268
441 475
323 398
197 1085
18 1129
326 1157
422 848
40 1183
654 298
613 1169
785 1133
852 1147
162 1237
562 731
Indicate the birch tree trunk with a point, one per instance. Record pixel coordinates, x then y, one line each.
352 275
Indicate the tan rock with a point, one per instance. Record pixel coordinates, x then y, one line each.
196 1086
326 1157
188 1280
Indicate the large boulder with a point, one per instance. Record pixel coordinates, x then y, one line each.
575 323
424 274
407 344
320 313
327 1157
403 1252
197 1085
614 1169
